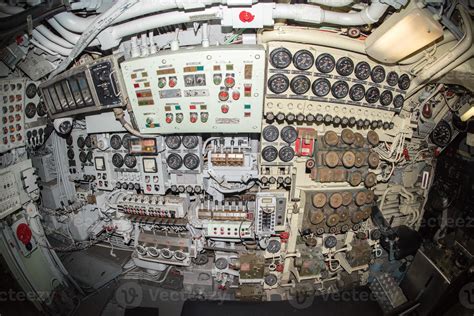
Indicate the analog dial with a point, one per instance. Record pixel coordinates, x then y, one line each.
362 70
303 59
41 109
30 110
280 58
126 141
190 141
340 89
321 87
378 74
88 142
269 153
270 133
31 90
70 154
174 161
289 134
300 84
344 66
173 141
404 82
116 142
386 98
398 101
191 161
117 160
357 92
81 142
441 135
286 154
89 156
278 83
325 63
130 161
372 95
83 157
392 78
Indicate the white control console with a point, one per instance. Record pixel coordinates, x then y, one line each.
218 90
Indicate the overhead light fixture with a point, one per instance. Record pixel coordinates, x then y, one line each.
402 35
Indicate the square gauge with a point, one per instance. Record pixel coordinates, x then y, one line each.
149 165
99 163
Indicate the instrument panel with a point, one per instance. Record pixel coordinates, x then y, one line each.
204 90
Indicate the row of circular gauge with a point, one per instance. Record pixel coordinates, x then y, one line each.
281 58
188 141
340 89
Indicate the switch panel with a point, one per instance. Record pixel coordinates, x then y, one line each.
218 90
12 104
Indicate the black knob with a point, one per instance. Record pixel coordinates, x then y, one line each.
366 123
280 116
374 124
337 120
290 117
319 118
270 116
300 117
352 121
360 123
310 118
327 119
386 125
345 121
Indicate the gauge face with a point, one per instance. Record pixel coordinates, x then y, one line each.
340 89
117 160
325 63
362 70
392 78
286 154
386 98
280 58
404 82
173 141
269 153
278 83
31 90
300 84
70 154
126 141
41 109
303 59
89 156
174 161
81 142
321 87
191 161
441 135
83 157
30 110
270 133
344 66
398 101
378 74
372 95
116 142
69 140
130 161
357 92
190 141
88 142
289 134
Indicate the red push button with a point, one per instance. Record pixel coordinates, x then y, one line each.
23 233
225 108
223 95
246 16
229 82
236 95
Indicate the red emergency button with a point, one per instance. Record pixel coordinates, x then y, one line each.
193 118
169 118
236 95
246 16
225 108
229 82
173 82
223 95
23 233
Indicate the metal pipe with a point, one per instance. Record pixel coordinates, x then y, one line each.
332 3
53 37
69 36
50 45
312 36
